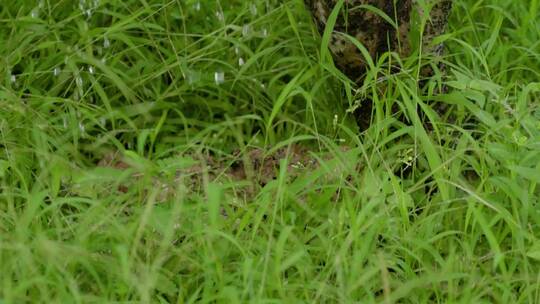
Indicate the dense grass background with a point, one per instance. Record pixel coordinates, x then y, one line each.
402 214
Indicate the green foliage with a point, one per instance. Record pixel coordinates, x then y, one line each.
406 213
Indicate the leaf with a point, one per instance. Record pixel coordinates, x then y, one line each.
285 94
325 54
534 252
527 173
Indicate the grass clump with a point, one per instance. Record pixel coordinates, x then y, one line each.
202 151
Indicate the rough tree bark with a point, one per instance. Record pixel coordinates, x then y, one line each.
375 33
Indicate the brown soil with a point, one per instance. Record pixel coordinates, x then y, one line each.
256 166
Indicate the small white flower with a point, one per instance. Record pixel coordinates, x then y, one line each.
35 13
253 9
219 77
79 81
82 127
246 30
106 43
219 15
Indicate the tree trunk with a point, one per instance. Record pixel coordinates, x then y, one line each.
375 32
363 19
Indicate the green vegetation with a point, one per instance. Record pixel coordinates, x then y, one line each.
109 111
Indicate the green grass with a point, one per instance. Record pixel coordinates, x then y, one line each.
404 215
